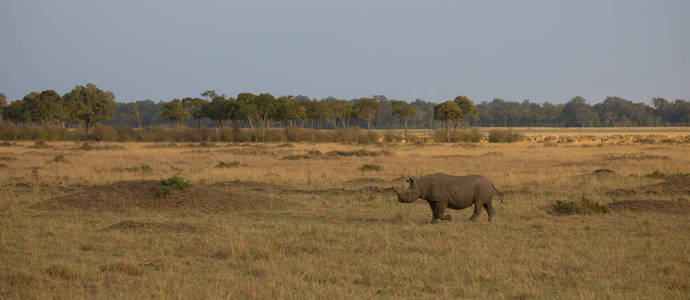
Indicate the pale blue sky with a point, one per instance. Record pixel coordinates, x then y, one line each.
434 50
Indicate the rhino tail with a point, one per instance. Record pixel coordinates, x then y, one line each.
497 191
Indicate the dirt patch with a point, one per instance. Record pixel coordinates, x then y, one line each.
365 180
492 154
633 156
600 175
675 186
220 197
145 226
661 206
142 194
451 156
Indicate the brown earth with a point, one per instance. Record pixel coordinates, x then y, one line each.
146 226
220 197
600 175
365 180
662 206
142 194
675 186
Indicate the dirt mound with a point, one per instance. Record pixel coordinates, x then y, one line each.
142 194
600 175
365 180
662 206
675 186
145 226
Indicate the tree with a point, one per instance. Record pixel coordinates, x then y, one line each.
288 110
467 108
134 114
447 111
246 109
219 109
341 110
577 113
194 105
89 105
3 104
266 106
46 107
366 109
404 111
175 111
15 112
317 111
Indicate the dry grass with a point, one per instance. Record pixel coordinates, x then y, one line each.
337 232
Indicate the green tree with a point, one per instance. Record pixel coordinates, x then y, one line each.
317 111
175 111
246 109
577 113
447 111
404 111
469 111
288 110
135 115
194 106
3 104
266 106
219 109
15 112
366 109
90 105
341 110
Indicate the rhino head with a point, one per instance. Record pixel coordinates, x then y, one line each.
410 194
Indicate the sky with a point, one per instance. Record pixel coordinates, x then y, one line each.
404 49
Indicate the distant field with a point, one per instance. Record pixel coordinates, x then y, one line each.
309 221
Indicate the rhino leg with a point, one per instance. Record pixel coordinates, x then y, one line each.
489 210
437 210
477 211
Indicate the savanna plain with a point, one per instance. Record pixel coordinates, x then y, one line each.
309 221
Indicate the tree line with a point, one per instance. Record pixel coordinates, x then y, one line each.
89 105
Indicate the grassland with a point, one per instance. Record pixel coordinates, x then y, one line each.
307 221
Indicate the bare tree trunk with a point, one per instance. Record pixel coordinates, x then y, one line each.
447 131
407 141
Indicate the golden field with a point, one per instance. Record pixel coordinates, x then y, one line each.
302 221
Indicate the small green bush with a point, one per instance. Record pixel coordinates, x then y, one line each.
175 182
505 136
370 167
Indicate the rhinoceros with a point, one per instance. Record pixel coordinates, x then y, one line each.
456 192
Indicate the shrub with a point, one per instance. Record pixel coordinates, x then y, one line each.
104 133
661 175
232 164
359 153
125 133
391 137
584 207
166 185
296 157
465 136
505 136
156 134
370 167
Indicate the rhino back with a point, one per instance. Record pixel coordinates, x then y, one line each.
457 190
